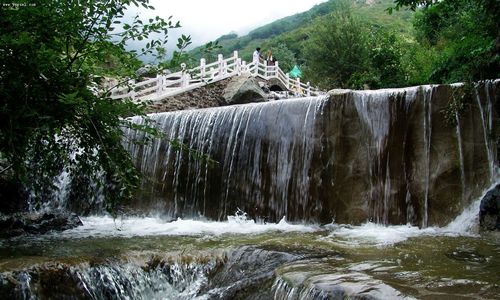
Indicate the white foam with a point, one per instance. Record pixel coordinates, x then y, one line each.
370 234
467 222
107 226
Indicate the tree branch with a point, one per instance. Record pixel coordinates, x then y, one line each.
86 38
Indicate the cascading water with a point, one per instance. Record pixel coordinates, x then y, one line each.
253 173
388 156
427 147
487 121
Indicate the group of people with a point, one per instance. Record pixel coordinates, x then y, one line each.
269 57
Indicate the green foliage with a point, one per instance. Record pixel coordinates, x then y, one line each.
418 60
50 52
292 22
336 50
229 36
179 58
210 49
112 60
412 4
451 41
458 104
265 35
193 153
464 34
293 33
385 58
344 52
285 56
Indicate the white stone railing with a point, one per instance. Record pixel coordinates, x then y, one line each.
172 84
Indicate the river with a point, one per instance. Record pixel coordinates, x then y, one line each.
149 258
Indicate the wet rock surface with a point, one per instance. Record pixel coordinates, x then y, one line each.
387 156
243 273
489 211
36 223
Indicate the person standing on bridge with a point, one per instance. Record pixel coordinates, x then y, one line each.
256 55
269 58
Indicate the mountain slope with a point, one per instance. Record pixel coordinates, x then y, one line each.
292 31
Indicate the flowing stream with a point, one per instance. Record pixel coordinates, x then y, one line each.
357 195
149 258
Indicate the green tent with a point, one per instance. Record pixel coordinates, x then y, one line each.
295 72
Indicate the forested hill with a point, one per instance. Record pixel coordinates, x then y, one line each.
290 23
358 44
293 30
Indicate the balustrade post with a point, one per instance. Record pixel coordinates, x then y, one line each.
265 69
288 81
308 88
220 59
185 80
132 92
256 70
299 88
159 84
238 66
202 68
244 66
276 68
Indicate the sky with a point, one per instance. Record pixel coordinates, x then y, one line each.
206 20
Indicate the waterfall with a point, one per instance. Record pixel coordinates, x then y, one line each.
387 156
427 145
278 163
113 280
487 119
461 154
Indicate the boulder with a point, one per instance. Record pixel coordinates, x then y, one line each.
489 210
34 223
243 89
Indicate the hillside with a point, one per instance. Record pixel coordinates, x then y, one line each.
290 32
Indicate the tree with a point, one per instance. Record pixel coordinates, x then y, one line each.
465 34
412 4
343 52
336 49
49 116
386 58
